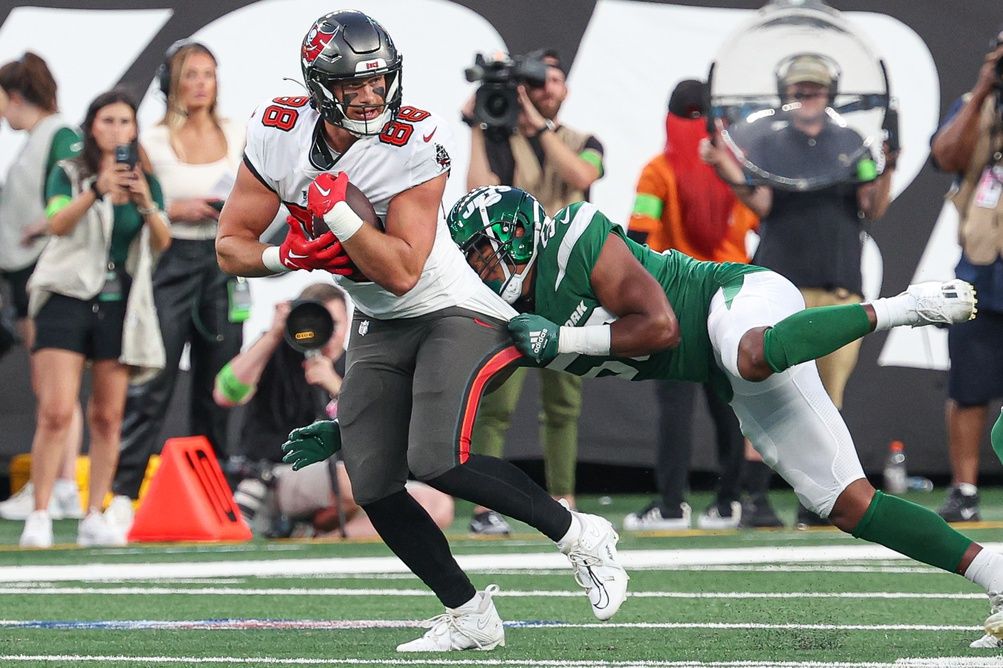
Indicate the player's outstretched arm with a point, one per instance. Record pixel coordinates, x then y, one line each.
394 260
249 210
646 322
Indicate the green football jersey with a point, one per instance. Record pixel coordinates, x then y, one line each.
569 247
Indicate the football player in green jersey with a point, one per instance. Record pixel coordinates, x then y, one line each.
594 303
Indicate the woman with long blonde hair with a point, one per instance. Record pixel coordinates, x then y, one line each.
195 155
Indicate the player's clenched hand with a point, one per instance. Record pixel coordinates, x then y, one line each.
535 337
311 444
298 251
326 191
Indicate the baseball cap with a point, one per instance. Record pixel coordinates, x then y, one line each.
688 99
807 68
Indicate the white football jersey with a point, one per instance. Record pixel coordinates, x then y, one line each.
286 150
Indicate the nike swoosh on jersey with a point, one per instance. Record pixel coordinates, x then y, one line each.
428 137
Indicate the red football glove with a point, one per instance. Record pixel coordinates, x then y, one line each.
325 252
326 191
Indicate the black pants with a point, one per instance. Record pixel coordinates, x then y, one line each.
675 442
192 302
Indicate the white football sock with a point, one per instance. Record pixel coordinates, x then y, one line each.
986 570
571 537
892 311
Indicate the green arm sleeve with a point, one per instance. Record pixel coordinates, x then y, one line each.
648 205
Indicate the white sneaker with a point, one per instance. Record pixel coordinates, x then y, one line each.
21 504
650 518
473 625
37 530
97 530
713 519
993 625
65 501
944 303
593 555
119 513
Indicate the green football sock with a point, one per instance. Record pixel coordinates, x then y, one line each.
916 532
997 437
813 333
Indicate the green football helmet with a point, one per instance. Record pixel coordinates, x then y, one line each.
507 220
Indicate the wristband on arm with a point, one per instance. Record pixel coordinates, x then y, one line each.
590 340
342 221
272 261
231 387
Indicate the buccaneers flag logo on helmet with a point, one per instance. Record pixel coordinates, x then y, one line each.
317 39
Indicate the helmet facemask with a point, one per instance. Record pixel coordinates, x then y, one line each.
335 111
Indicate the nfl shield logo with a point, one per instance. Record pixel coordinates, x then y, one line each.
363 327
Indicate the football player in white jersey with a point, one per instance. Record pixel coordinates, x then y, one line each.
427 335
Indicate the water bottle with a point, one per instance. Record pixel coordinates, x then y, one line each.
896 480
917 483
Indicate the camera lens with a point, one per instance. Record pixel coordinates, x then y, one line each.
497 105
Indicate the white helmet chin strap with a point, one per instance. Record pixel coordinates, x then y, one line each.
512 289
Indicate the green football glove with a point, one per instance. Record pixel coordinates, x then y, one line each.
535 337
311 444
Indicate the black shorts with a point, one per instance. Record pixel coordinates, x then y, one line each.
976 347
91 328
18 281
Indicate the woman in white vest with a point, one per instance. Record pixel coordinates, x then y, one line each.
195 155
31 89
92 300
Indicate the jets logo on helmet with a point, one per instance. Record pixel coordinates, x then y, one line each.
503 225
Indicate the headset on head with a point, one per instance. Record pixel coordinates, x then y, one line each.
834 73
164 71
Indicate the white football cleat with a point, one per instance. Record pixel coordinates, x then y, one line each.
37 530
597 570
473 625
993 625
938 303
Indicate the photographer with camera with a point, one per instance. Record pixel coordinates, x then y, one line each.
523 144
91 297
286 385
969 143
195 155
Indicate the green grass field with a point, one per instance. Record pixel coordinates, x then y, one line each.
750 598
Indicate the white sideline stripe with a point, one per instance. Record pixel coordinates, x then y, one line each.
938 662
472 563
355 624
513 593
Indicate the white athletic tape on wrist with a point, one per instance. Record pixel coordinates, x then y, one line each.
342 221
272 260
591 340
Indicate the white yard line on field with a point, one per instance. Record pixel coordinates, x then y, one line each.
356 624
512 593
935 662
489 563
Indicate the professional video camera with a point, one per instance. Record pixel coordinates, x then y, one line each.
496 102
